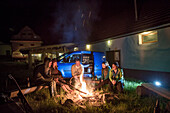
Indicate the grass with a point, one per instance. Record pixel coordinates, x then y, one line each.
128 102
42 103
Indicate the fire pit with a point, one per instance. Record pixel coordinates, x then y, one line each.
94 99
84 94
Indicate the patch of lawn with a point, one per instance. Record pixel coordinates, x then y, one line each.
128 102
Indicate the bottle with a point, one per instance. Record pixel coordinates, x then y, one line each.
156 108
28 82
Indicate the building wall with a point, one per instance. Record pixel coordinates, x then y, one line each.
4 49
153 56
24 44
115 44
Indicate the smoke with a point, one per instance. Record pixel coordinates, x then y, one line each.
74 20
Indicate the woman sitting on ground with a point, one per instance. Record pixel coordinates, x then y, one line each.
56 74
116 77
105 75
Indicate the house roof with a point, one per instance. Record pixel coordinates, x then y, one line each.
26 34
47 47
151 15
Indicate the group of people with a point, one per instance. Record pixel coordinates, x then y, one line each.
48 74
112 76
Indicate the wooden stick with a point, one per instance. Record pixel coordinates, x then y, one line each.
24 101
73 87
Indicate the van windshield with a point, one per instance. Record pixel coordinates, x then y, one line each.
62 56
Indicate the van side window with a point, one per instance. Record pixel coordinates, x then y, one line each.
87 59
72 58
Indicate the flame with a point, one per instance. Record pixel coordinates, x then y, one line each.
83 85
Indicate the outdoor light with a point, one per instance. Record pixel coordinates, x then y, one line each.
39 55
109 42
157 83
145 33
88 47
61 54
75 48
140 39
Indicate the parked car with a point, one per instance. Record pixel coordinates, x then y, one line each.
91 61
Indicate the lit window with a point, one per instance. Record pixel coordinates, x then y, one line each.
148 37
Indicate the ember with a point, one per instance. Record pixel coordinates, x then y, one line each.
88 97
96 99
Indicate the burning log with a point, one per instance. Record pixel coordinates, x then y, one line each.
73 87
96 99
83 95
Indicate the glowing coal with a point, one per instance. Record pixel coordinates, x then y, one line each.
89 96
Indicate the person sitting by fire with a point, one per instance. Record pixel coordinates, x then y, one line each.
42 77
105 75
116 77
76 71
55 73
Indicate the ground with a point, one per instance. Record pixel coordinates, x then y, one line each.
41 102
128 101
19 71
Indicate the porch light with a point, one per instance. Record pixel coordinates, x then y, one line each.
109 42
88 47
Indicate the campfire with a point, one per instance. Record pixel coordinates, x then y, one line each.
87 95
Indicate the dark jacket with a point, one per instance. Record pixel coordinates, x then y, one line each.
55 72
41 73
105 73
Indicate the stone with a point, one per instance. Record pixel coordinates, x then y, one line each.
142 91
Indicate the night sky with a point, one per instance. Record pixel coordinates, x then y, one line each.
57 21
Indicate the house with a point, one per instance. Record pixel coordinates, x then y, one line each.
140 45
24 39
37 54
